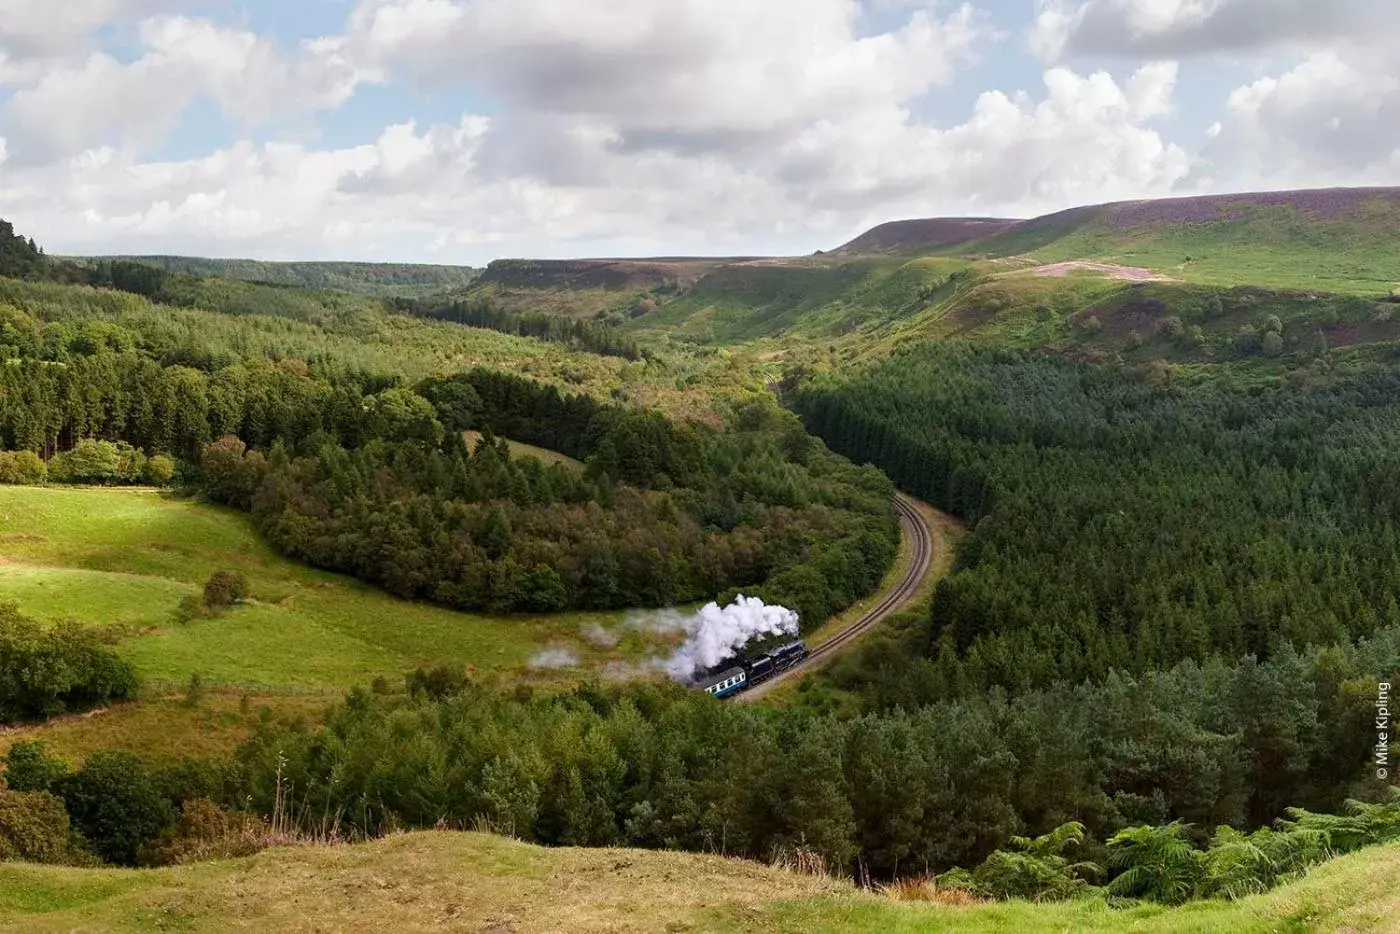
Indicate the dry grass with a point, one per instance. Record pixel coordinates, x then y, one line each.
520 449
433 881
927 889
166 728
409 882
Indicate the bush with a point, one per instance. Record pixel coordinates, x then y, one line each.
1031 869
33 827
1173 327
207 831
437 682
160 470
191 607
225 589
22 467
49 671
100 462
1272 344
1247 340
115 803
1092 325
29 767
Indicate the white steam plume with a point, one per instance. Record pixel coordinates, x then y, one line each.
555 658
714 634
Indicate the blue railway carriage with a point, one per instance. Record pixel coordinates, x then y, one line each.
723 683
753 671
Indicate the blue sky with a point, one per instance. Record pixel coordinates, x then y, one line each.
465 130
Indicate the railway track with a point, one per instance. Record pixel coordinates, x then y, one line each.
917 531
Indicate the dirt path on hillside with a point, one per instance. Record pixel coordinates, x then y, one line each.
1109 270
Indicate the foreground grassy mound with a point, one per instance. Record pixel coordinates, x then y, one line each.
466 881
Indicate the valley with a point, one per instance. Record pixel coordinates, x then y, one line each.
1146 600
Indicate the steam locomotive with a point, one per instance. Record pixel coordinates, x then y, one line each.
753 671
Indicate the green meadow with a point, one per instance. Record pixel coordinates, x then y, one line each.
123 559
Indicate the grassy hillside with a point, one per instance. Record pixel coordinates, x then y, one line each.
123 559
464 881
1316 259
385 279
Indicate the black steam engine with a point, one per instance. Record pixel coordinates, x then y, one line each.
753 671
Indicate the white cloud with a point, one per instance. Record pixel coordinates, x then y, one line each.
1177 28
1333 119
645 126
35 34
691 74
134 104
417 189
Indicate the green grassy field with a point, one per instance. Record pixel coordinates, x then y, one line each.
467 881
1274 246
122 559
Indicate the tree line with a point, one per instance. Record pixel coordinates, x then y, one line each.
901 793
480 312
663 513
363 474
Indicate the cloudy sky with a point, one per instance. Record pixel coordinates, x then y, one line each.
458 131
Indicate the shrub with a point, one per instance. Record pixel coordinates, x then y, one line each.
191 778
100 462
1172 327
437 682
114 802
1247 340
160 470
191 607
1158 864
49 671
1272 344
224 589
194 691
22 467
29 767
1092 325
33 827
206 831
1032 869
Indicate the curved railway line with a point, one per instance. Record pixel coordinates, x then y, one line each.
921 559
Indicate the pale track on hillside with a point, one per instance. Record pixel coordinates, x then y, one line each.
916 530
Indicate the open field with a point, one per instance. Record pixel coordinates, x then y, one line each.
124 558
521 449
475 882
